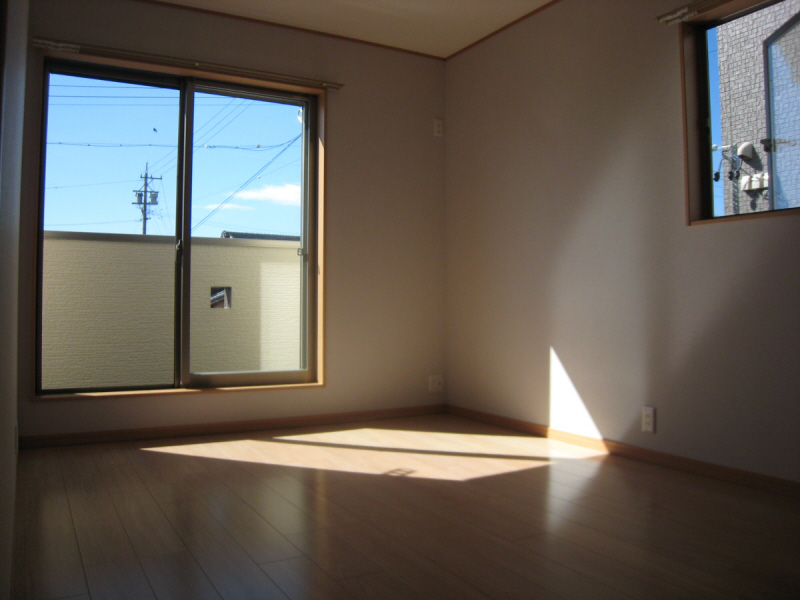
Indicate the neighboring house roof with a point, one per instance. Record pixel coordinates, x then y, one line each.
243 235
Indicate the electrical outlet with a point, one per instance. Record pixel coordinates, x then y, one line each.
648 419
438 128
435 384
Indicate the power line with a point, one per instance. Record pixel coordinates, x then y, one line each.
253 148
246 183
101 104
107 97
46 225
203 126
248 105
100 87
289 164
111 145
58 187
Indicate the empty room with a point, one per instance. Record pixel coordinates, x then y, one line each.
400 299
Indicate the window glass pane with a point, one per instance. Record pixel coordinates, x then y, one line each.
102 137
718 185
248 202
784 82
107 317
738 111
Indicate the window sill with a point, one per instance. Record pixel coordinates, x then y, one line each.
785 212
174 392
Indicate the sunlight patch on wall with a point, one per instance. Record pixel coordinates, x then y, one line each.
393 453
567 410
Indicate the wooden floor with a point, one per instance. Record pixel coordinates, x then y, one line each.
432 507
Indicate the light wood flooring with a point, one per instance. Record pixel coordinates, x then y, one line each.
435 507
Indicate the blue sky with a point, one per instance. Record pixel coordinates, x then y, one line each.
716 122
101 136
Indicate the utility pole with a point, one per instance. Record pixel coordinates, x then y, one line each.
145 197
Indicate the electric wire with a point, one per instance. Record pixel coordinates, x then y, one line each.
46 225
255 148
239 114
173 156
246 183
219 126
100 87
58 187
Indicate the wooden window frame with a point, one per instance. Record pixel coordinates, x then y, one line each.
102 59
696 114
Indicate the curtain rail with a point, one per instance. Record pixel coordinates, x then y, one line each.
180 63
712 11
689 11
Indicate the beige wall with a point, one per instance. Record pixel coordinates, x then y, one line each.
384 214
108 308
565 231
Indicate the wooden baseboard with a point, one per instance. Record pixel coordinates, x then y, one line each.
680 463
92 437
697 467
485 417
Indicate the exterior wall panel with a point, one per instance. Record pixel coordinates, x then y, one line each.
108 310
743 110
261 329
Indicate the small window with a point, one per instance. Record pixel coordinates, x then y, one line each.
742 83
156 190
220 297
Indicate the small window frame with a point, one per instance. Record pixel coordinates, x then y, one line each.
311 371
696 112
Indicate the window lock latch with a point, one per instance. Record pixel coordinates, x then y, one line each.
179 247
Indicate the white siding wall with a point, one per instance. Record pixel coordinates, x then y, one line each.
261 330
108 306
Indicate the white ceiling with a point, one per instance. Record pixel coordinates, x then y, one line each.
435 27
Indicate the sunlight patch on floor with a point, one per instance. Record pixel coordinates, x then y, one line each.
390 452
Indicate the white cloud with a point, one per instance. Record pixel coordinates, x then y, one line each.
227 207
288 194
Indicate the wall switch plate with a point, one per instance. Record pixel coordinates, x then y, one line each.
648 419
438 128
435 383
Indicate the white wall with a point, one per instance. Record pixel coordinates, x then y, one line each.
565 231
13 98
384 209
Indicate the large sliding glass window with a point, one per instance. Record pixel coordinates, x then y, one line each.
178 238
